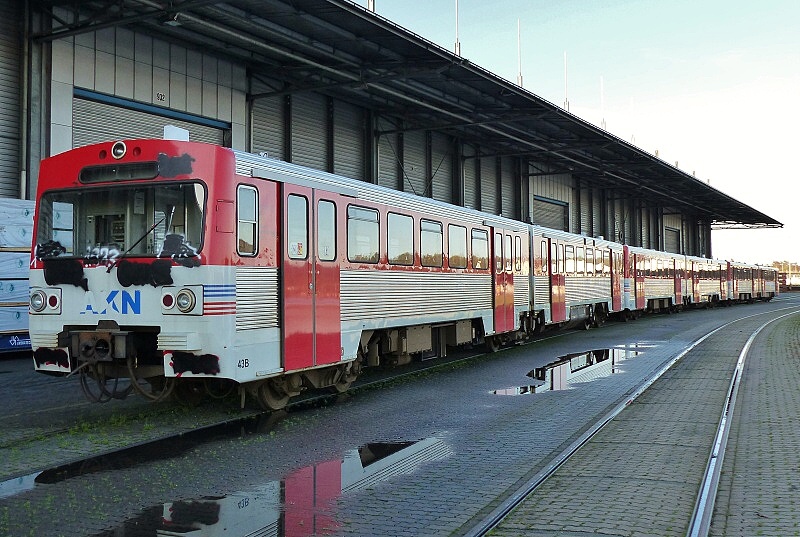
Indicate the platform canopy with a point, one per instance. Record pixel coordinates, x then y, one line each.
343 50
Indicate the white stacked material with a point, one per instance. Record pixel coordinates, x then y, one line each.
14 319
14 265
16 223
16 235
13 292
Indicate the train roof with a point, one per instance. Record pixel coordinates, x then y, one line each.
341 49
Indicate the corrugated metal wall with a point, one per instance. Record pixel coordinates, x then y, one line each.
11 25
267 123
556 187
442 167
309 130
672 240
509 205
549 213
597 213
348 140
471 187
388 164
646 216
489 201
414 179
586 211
95 122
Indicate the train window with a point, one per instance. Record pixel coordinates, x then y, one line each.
297 227
580 261
561 259
498 252
400 232
543 252
590 262
509 254
247 216
456 246
607 262
480 249
660 268
326 230
569 253
518 254
430 243
362 234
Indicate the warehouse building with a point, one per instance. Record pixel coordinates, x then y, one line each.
330 85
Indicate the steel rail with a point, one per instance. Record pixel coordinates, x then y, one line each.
492 520
700 523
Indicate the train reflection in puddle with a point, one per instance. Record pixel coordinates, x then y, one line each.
301 504
571 368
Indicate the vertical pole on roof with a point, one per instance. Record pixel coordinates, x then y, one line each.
371 5
519 55
566 96
458 44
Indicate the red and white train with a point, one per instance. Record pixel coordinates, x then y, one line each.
163 266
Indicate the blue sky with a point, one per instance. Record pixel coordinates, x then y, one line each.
711 85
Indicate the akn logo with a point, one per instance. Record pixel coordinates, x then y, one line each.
123 302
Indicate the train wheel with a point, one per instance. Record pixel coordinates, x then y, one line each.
492 343
270 397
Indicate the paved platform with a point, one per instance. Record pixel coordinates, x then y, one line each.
641 474
463 448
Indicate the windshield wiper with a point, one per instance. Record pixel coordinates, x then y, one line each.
135 244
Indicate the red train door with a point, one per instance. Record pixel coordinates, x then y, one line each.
503 276
310 278
616 280
558 283
638 271
678 269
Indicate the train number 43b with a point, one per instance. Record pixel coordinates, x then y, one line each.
243 363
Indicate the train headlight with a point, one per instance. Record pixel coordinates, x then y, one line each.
118 150
38 301
185 300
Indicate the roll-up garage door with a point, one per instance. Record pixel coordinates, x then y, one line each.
414 163
550 213
309 128
508 205
387 161
442 166
489 185
470 178
672 240
268 124
586 211
94 122
10 55
348 140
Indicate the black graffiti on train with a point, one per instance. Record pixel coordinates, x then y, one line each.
207 364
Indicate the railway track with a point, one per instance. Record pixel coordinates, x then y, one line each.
576 477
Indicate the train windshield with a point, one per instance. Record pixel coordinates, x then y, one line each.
161 220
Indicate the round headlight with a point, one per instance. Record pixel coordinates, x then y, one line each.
118 150
185 300
38 301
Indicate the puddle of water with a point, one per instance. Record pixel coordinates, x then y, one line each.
142 453
571 368
301 504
